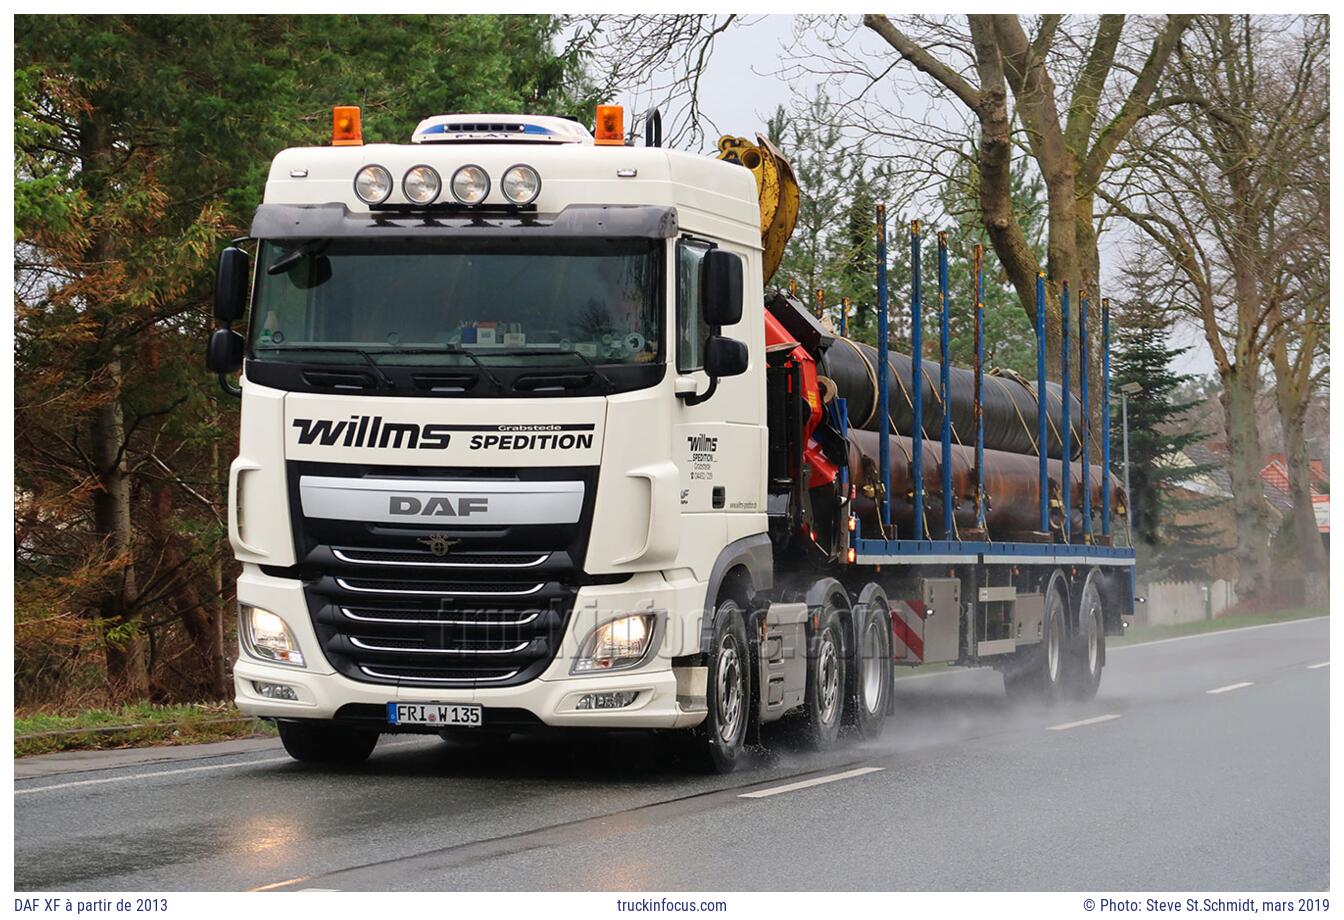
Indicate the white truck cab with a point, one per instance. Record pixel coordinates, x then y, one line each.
479 482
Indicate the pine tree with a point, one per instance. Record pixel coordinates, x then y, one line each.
1170 544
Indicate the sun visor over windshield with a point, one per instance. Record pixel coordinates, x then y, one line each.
305 222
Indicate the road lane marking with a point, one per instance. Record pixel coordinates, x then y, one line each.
150 774
1244 683
807 783
147 775
1079 724
1323 664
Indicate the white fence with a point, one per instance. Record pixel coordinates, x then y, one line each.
1182 601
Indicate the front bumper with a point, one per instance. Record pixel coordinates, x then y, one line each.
666 697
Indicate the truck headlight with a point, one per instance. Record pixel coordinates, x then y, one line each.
618 643
267 636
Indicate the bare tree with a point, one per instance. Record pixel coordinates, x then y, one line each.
1065 133
1221 182
656 60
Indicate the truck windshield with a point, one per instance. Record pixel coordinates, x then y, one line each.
505 302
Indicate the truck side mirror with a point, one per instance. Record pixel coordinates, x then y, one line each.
235 271
721 288
725 357
224 353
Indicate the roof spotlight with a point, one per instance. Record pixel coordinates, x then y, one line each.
421 184
470 184
373 184
521 184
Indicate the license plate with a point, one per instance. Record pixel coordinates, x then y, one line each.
456 714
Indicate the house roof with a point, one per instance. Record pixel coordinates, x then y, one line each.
1275 476
1216 481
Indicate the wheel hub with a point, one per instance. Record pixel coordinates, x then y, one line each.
870 660
828 678
729 696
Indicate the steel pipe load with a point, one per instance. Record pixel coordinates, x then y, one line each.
1012 487
1010 404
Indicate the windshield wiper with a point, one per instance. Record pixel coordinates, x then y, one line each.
295 256
448 349
385 380
517 352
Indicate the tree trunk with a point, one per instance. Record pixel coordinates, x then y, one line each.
123 643
220 609
1250 509
1307 546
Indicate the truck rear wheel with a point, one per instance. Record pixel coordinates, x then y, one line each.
320 742
1088 652
1038 674
824 701
870 665
717 742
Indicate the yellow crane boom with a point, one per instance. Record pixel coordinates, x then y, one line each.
777 188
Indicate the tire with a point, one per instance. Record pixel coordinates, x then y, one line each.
824 701
1038 674
717 742
1088 650
870 678
323 742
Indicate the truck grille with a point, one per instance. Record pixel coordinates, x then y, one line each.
489 609
426 633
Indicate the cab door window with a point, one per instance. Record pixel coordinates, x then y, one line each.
691 327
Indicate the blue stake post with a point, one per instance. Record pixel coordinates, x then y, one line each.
980 389
1066 474
1042 405
945 385
1106 417
1087 414
916 381
884 443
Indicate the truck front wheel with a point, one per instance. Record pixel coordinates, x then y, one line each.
718 741
320 742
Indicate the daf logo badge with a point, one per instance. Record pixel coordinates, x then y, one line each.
438 543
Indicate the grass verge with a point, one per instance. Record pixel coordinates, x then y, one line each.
1138 634
133 725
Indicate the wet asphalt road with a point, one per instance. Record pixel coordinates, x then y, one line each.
1179 789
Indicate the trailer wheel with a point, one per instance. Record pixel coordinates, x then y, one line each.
717 742
870 664
1088 653
1038 674
824 701
319 742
